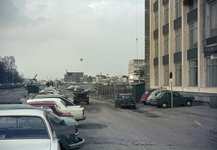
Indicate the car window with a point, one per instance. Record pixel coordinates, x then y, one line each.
126 97
57 109
146 92
175 94
167 95
63 103
160 95
22 127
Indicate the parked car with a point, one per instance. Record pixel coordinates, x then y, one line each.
145 96
76 111
77 89
70 87
125 100
82 88
90 90
164 100
26 129
154 94
68 101
53 107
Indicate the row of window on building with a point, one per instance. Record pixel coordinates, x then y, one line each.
211 31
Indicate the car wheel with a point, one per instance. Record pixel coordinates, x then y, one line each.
189 103
134 107
144 103
115 105
164 105
120 106
158 106
88 102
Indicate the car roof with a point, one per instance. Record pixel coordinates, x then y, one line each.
45 99
41 103
23 112
19 106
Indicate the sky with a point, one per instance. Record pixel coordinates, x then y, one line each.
49 37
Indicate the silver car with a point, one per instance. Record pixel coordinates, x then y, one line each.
26 129
154 94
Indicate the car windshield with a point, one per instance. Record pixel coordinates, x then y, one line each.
159 95
126 97
54 117
146 92
57 109
22 127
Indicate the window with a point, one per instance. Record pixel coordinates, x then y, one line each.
156 75
193 35
192 4
193 73
156 48
178 9
166 13
166 75
156 20
211 15
211 72
178 40
166 44
178 74
22 127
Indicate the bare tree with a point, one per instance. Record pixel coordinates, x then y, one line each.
9 67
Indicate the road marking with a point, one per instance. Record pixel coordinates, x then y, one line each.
197 122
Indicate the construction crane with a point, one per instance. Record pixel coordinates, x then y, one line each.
33 80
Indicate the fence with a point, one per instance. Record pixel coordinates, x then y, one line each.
112 91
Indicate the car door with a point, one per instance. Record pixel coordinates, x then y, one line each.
177 99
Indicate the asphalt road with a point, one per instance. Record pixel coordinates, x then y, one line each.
146 127
110 128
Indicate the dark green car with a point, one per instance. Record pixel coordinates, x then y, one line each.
125 100
164 100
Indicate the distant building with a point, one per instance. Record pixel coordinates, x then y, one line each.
136 65
73 77
89 79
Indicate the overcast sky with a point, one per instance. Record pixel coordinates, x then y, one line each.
48 37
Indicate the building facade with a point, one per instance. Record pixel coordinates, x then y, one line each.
73 77
134 70
183 40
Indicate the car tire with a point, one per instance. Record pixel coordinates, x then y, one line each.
134 107
144 103
88 102
115 105
120 106
188 103
164 105
158 106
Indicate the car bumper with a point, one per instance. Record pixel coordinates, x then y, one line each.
77 145
128 105
153 103
80 119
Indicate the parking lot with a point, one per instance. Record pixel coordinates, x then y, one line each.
146 127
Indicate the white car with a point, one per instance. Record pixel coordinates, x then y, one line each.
26 129
76 111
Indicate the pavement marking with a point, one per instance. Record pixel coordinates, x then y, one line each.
197 122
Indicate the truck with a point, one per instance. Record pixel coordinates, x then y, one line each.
81 96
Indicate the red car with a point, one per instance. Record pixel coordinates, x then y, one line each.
145 96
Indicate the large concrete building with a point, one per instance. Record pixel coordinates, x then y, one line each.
183 40
136 65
